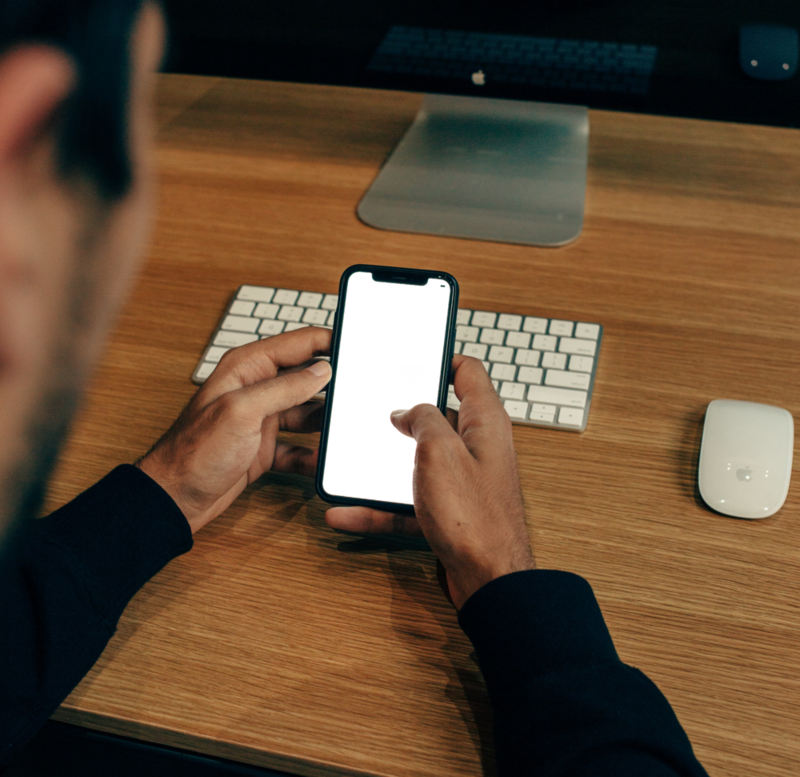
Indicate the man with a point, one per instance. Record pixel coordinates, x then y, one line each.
76 83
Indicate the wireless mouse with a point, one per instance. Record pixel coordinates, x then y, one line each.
769 51
746 458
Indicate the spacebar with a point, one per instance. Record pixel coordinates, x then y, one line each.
557 396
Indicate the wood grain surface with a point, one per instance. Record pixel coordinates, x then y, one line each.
279 642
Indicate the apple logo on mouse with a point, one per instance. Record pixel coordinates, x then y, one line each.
753 441
479 78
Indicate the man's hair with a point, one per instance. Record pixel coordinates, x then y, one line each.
92 128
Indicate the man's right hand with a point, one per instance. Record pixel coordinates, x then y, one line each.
467 496
227 436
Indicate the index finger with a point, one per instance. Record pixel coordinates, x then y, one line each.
481 416
365 520
261 360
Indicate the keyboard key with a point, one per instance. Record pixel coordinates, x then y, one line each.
540 408
452 401
315 317
557 361
330 302
290 313
503 372
492 336
292 325
587 331
240 324
285 297
463 316
581 363
467 334
476 350
204 370
215 353
270 328
561 328
557 396
480 318
570 416
516 409
530 375
512 391
242 308
457 348
267 311
538 415
510 322
331 318
518 339
234 339
498 353
534 325
545 342
576 380
256 293
580 347
528 358
309 299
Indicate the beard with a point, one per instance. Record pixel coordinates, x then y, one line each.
26 484
23 488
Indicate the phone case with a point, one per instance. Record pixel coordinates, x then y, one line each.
404 275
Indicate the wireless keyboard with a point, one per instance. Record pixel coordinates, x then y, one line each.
622 68
542 368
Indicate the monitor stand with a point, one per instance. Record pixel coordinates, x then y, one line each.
474 167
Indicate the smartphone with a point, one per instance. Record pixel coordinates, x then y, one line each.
392 348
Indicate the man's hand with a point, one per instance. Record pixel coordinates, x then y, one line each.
466 488
226 436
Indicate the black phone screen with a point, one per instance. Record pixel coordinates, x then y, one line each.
391 352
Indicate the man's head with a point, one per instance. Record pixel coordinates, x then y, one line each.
76 80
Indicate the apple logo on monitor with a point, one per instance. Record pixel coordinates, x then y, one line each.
479 78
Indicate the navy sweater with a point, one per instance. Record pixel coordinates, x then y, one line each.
564 704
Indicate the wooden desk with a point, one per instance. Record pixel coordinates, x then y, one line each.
279 642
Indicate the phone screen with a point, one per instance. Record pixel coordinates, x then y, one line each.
391 352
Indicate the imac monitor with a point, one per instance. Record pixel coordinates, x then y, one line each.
498 149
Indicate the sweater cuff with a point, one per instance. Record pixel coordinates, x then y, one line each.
550 619
117 535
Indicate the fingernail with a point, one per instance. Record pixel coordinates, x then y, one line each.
396 413
321 369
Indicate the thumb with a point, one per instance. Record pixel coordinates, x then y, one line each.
283 392
303 384
422 421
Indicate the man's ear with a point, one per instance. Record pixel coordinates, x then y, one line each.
35 80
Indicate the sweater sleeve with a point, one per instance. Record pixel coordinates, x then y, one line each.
563 702
64 583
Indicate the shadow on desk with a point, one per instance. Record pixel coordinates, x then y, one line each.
61 750
415 580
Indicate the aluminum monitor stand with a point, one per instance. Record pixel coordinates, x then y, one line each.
501 170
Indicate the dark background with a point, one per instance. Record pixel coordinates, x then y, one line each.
384 326
331 41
